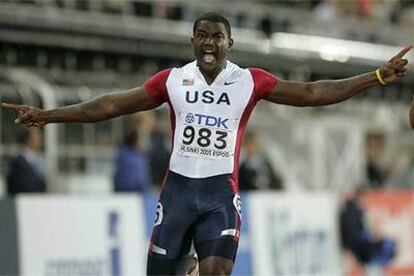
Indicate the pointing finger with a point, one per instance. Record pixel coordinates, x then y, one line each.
15 107
403 52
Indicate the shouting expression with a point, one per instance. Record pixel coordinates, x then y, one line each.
211 43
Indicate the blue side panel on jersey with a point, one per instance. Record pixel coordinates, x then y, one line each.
243 265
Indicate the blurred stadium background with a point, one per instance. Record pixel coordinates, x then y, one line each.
59 52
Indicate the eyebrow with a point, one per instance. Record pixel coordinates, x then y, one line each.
203 31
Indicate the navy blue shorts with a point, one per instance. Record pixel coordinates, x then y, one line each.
204 211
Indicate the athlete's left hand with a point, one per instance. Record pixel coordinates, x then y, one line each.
396 67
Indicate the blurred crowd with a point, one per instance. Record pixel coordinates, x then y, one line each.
141 158
377 12
140 162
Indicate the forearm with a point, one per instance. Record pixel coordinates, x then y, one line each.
94 110
330 92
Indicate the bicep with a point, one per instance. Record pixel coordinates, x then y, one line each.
131 101
292 93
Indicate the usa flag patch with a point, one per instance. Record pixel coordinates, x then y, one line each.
188 82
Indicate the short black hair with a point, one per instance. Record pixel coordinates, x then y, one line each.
213 17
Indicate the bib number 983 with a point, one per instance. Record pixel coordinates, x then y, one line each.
203 137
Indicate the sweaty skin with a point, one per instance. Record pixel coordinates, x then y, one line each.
211 45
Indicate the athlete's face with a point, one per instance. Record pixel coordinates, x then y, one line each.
211 43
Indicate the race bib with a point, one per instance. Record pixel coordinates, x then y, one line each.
206 136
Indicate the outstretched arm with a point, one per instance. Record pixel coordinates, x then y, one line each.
333 91
100 108
412 114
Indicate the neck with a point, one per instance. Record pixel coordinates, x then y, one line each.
210 76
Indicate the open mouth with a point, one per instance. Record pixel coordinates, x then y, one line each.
208 56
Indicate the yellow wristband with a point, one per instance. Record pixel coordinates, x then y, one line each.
377 72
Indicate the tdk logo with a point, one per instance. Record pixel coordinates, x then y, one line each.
189 118
206 120
207 97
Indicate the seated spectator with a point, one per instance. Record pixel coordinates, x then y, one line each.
26 172
131 168
368 248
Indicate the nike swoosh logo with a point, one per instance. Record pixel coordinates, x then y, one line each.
228 83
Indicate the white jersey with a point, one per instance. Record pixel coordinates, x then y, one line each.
208 121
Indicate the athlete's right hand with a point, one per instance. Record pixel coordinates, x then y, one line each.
26 115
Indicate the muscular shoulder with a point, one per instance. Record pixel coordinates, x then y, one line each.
264 82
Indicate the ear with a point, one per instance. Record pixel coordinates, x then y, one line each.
230 43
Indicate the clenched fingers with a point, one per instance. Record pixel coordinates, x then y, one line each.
399 65
24 118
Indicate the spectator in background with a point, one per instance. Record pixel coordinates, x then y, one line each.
256 171
269 25
154 140
241 19
159 157
266 25
370 249
131 168
26 173
142 8
175 12
170 10
376 171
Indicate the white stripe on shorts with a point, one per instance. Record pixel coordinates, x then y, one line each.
229 232
158 250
